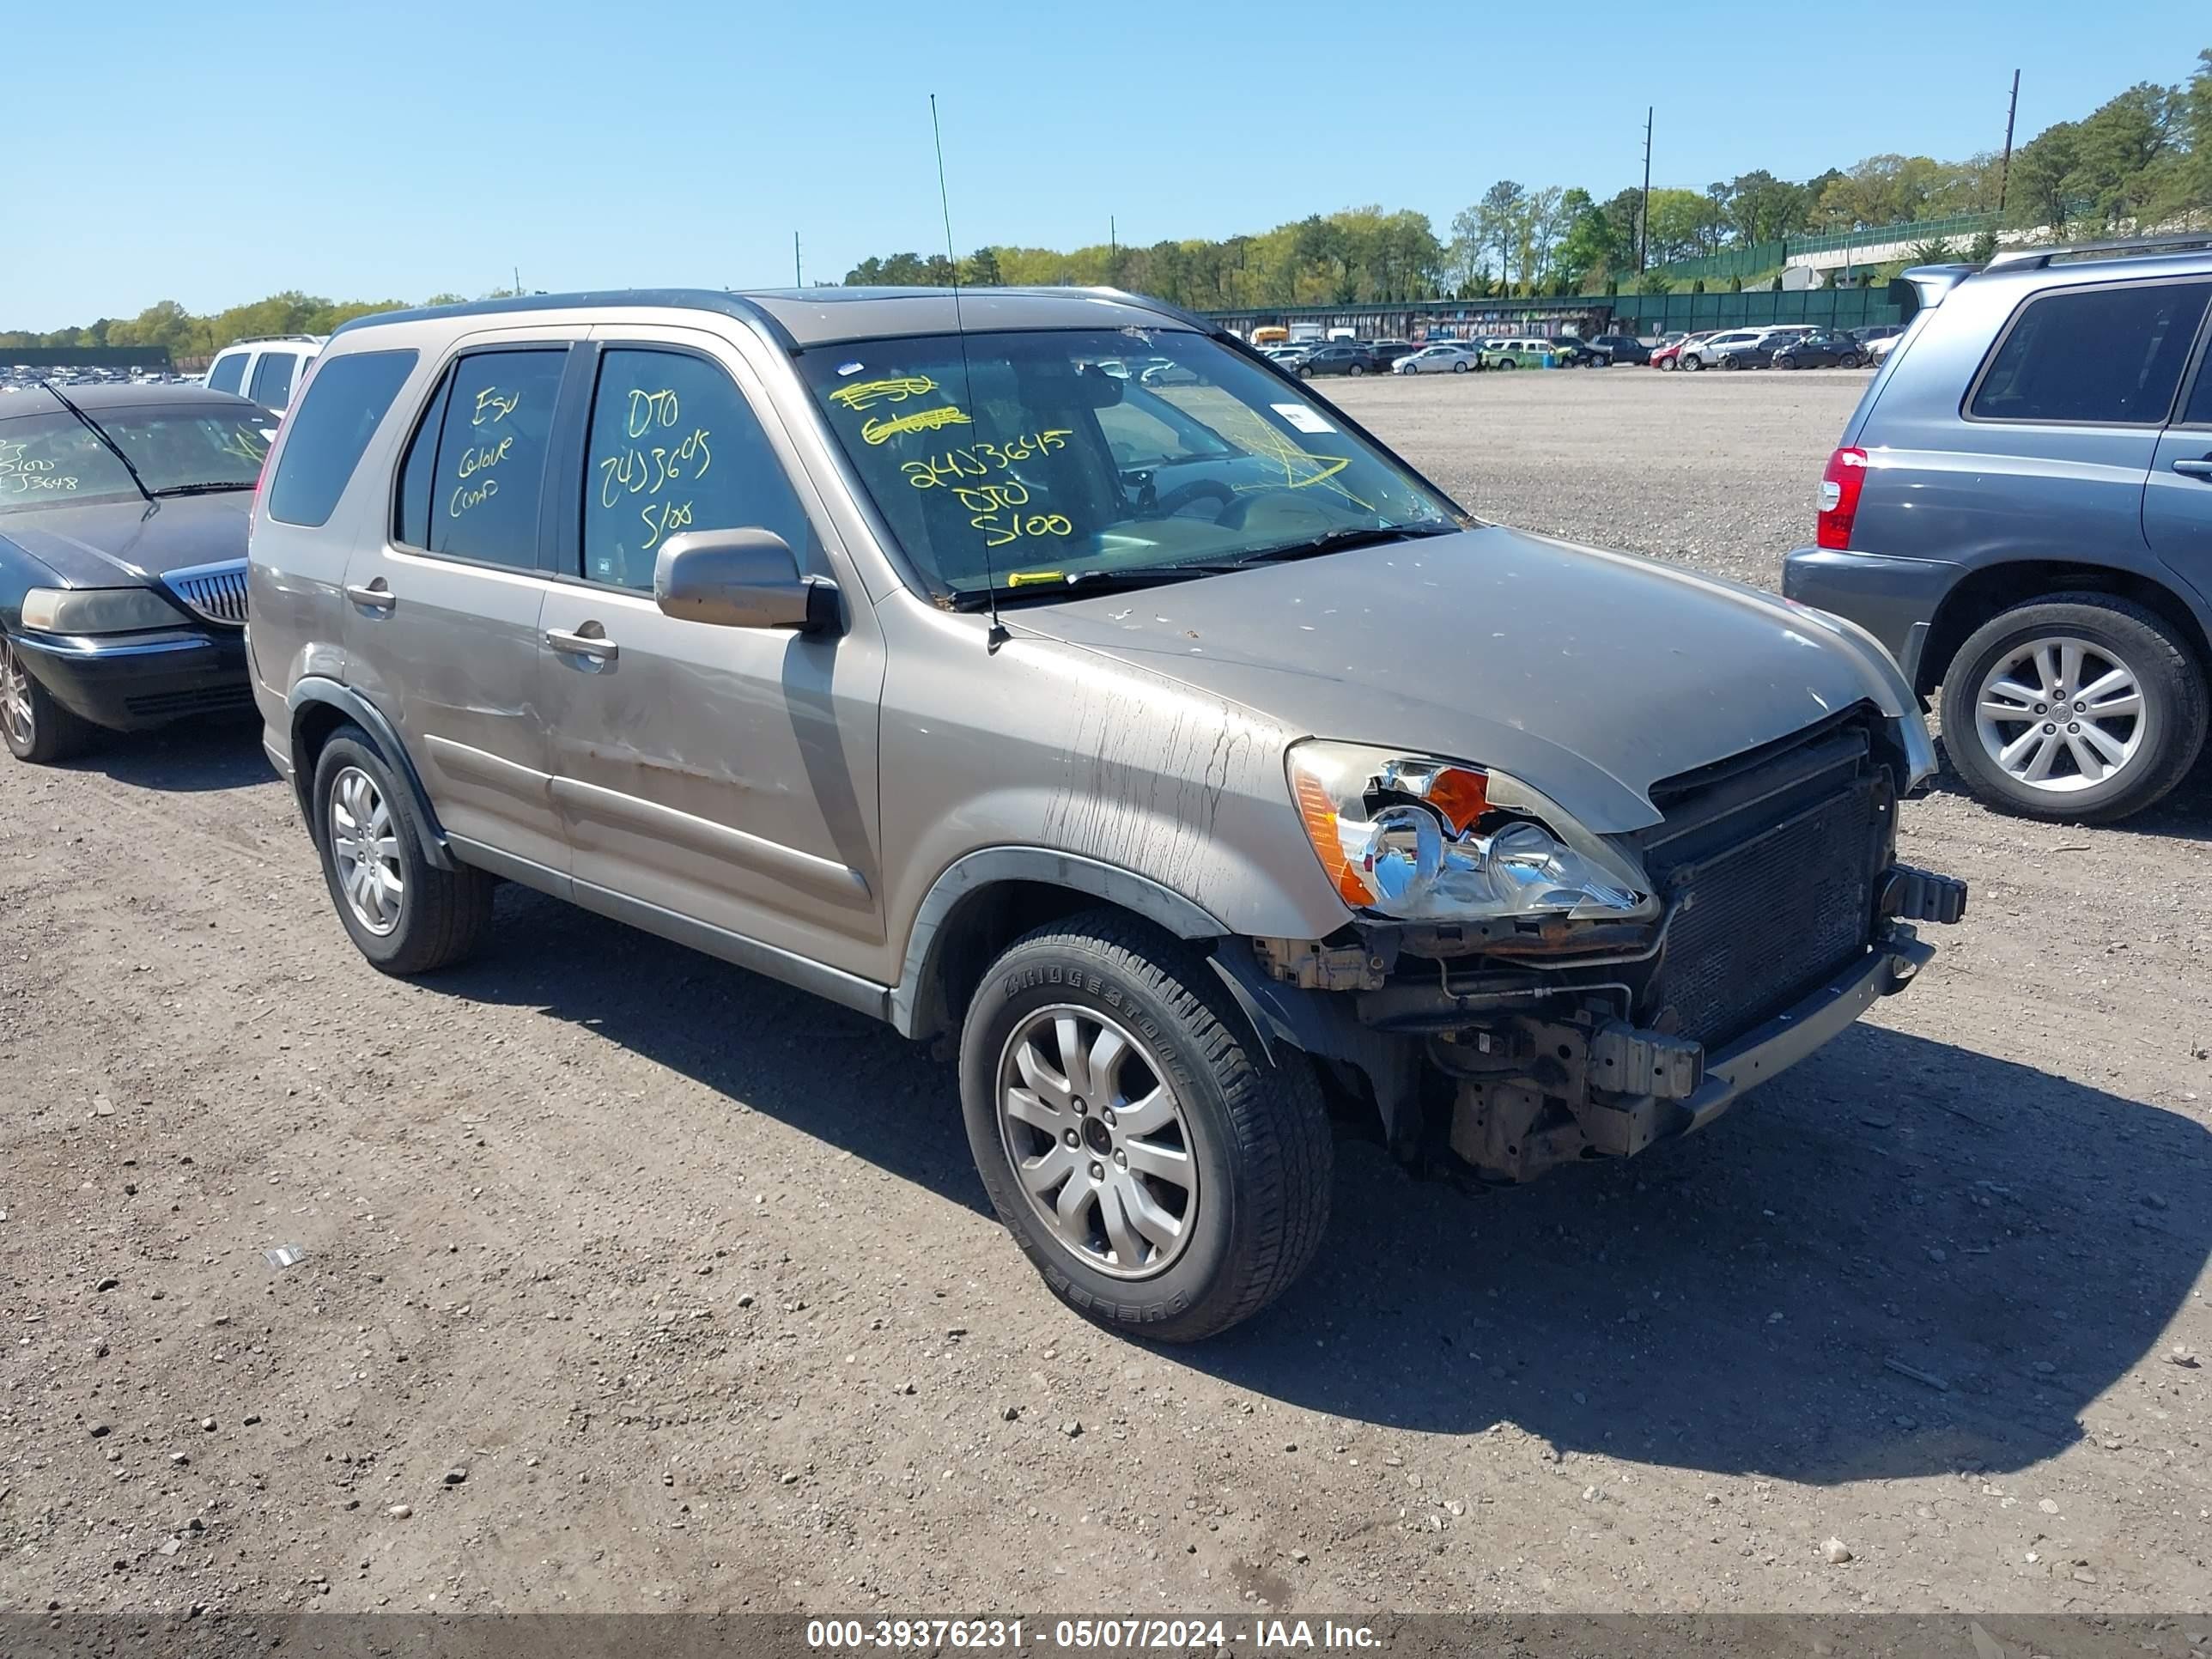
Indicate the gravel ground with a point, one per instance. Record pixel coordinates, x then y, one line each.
632 1281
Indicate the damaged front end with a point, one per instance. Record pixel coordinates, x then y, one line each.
1528 993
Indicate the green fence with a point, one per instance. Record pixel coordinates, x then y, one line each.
1766 256
1832 307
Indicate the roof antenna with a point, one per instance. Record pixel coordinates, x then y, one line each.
996 635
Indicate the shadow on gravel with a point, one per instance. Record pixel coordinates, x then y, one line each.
1739 1302
1743 1301
186 759
2185 815
847 1080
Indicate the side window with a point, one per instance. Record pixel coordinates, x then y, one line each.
2199 412
674 447
327 435
225 374
471 479
272 378
2111 355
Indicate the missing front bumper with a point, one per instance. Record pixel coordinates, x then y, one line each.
1609 1090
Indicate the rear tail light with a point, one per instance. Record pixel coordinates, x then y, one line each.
1840 496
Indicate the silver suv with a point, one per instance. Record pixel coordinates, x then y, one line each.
2021 510
1168 747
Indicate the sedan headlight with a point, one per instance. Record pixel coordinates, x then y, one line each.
97 610
1423 839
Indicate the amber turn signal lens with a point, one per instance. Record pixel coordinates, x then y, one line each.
1319 819
1460 796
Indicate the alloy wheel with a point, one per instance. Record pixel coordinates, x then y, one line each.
2059 714
1098 1141
365 846
15 697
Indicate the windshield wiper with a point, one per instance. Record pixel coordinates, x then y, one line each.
1076 584
1336 541
100 433
202 489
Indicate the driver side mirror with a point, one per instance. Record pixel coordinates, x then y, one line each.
741 579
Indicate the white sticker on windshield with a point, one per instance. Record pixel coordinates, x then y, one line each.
849 369
1303 416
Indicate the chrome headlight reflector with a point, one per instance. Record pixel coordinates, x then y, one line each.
1422 839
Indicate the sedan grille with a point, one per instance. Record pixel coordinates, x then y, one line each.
215 592
1772 872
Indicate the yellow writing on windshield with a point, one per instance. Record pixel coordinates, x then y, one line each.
922 420
979 460
866 394
1301 470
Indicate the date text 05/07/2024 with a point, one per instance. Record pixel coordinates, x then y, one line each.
1264 1635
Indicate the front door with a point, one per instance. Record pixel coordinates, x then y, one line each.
442 629
726 775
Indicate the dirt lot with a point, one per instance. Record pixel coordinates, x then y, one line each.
633 1281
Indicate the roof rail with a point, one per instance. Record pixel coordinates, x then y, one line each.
2036 259
262 340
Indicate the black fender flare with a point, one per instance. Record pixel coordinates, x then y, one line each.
316 689
1183 917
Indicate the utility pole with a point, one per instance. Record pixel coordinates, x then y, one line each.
2004 172
1112 239
517 279
1643 214
797 272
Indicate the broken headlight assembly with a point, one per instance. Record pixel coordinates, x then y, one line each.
1418 838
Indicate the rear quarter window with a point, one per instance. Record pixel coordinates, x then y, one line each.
227 371
2108 356
346 398
272 379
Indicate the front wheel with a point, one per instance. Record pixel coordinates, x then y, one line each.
2081 708
1693 364
1304 373
1163 1178
37 728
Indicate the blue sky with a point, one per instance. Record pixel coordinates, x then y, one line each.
212 155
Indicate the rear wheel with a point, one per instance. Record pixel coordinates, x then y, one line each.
1160 1175
37 728
1356 368
406 914
1458 367
2083 707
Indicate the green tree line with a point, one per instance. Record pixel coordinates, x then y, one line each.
2138 159
2141 159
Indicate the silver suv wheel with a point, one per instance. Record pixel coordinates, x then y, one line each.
364 845
1098 1141
2060 715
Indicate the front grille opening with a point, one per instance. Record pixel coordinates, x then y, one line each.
1771 870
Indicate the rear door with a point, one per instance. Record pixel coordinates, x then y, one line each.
727 775
442 629
270 384
2178 496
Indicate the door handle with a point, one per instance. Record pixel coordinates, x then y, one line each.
376 596
2196 469
597 647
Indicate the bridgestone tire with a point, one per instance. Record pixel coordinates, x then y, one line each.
1258 1134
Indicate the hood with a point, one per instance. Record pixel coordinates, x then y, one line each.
118 544
1589 675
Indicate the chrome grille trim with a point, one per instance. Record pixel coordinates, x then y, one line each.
216 592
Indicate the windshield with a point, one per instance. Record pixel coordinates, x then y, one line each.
1052 457
50 460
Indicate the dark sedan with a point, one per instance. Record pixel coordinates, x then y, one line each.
1337 357
1623 348
123 520
1825 350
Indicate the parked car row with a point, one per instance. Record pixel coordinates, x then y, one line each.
690 608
